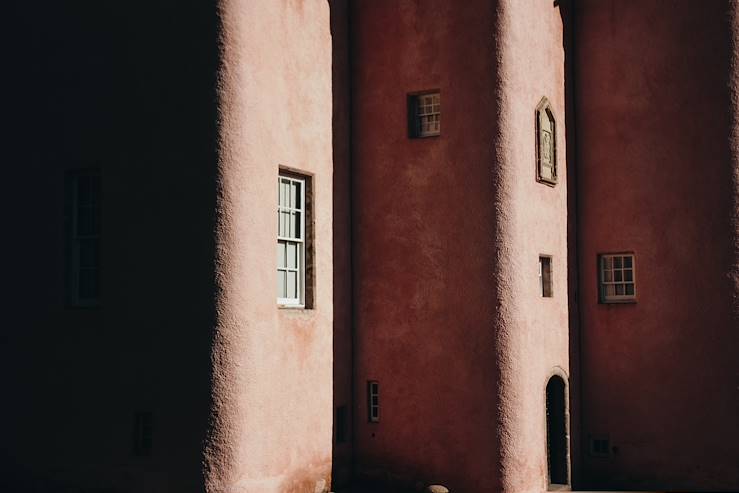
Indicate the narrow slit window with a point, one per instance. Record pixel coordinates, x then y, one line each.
373 400
341 424
545 276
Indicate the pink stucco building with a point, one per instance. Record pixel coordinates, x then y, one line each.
300 246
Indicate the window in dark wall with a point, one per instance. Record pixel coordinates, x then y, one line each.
341 425
424 114
373 401
82 237
142 433
556 431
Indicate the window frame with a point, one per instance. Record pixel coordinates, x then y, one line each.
546 289
373 406
415 128
301 241
544 110
603 297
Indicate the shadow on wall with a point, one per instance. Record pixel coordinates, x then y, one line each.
128 88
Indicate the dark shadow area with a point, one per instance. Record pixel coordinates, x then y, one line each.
556 432
567 13
342 445
111 398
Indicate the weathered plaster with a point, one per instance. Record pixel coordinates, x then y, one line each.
272 383
657 176
531 217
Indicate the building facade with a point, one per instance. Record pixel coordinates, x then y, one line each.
507 241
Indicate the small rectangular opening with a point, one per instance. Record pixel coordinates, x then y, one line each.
142 433
341 424
373 401
424 114
545 276
600 446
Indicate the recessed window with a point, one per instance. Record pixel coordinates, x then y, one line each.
546 144
142 433
424 114
545 276
82 226
293 234
373 400
617 278
341 425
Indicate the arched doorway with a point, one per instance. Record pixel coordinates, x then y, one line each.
557 432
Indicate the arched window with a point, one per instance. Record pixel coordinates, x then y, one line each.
557 431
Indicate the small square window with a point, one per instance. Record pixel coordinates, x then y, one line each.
617 278
424 114
545 276
373 401
600 446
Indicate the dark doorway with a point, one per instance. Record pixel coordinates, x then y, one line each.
557 432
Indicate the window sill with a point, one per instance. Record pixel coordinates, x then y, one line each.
617 302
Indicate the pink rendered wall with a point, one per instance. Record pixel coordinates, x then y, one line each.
272 395
423 239
533 331
656 177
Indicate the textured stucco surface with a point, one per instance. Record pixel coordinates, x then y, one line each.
272 394
657 176
532 331
423 238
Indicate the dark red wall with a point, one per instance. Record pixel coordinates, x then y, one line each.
659 377
423 236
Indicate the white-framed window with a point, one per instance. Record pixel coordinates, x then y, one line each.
291 240
83 237
545 276
373 401
425 114
617 278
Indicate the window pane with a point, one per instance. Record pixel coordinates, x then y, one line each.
281 254
292 255
617 276
628 261
285 226
88 254
628 275
292 284
619 289
88 287
607 276
283 193
281 282
295 195
630 289
610 290
295 229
